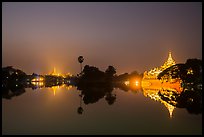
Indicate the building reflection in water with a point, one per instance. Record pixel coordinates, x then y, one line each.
54 89
152 91
57 88
171 95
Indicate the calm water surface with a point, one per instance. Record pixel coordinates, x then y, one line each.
41 111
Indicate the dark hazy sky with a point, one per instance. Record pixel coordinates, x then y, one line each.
129 36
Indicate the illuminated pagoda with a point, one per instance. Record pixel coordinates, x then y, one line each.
153 73
170 62
54 72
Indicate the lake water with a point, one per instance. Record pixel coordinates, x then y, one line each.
55 112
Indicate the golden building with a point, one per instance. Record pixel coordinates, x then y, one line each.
151 86
153 73
170 62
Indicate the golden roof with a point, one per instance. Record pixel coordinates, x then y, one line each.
170 62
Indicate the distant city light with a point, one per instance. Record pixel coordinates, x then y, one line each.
127 82
137 83
190 71
37 79
37 83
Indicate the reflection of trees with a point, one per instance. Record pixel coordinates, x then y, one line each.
189 99
92 93
12 82
122 86
12 90
110 98
80 109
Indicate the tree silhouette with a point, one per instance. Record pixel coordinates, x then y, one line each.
81 59
134 73
181 71
92 74
110 71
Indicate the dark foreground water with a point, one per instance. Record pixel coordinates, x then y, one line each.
55 111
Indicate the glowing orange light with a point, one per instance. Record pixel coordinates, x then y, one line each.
68 87
37 79
137 83
127 82
37 83
54 88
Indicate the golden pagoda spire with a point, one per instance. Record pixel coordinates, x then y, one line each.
170 62
170 54
170 59
54 71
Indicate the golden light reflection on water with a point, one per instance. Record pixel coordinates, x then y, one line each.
58 88
151 89
54 89
38 83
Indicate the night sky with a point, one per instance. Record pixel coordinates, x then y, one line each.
130 36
